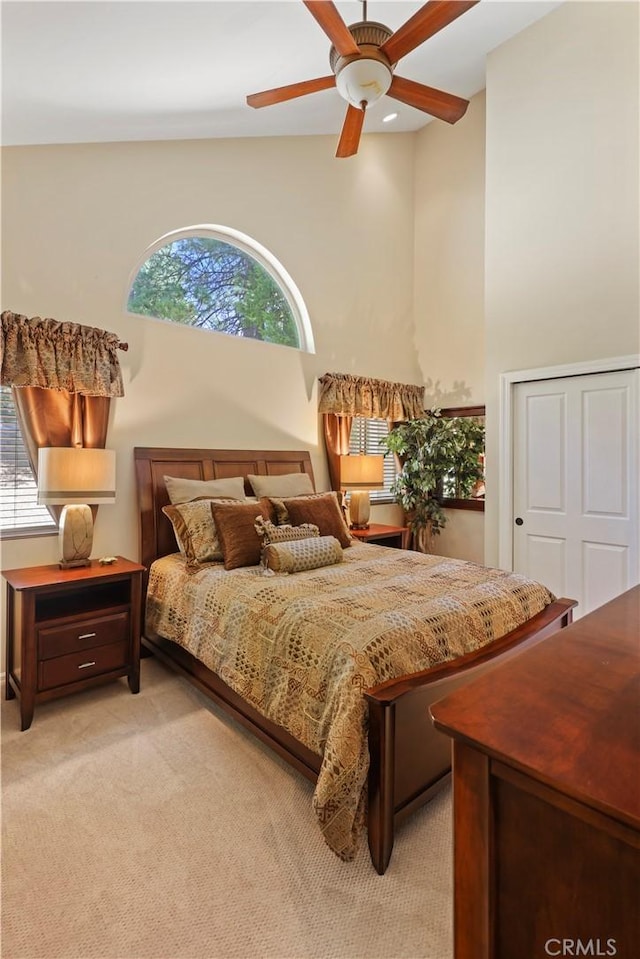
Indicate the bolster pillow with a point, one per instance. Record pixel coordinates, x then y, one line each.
298 555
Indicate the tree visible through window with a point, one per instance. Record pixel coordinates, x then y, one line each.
205 282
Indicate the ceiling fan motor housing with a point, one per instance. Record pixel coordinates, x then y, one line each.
365 77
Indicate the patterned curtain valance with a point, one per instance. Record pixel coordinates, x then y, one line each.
59 356
349 395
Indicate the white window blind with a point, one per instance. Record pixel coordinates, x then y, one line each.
365 438
19 510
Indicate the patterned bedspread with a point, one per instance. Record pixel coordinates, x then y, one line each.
302 647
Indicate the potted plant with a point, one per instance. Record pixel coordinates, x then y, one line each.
439 456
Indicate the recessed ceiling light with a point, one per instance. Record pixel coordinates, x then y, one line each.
389 117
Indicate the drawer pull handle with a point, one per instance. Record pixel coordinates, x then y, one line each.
87 636
85 665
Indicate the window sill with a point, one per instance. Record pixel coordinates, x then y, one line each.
29 532
473 504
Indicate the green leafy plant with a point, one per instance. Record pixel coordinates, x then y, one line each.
440 457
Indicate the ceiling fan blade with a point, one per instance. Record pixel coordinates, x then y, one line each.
326 14
428 20
280 94
351 130
444 106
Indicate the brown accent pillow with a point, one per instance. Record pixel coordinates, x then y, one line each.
195 531
278 509
235 524
267 505
323 510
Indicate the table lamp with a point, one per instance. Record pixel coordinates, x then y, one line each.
74 477
360 473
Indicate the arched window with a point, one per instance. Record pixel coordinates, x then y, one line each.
215 278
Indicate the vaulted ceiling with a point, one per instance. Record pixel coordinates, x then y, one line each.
85 71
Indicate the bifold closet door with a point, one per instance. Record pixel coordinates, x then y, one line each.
576 493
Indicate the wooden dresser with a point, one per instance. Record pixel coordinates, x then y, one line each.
546 774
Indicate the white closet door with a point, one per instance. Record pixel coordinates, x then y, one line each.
576 487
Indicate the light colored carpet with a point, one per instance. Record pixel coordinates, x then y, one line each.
154 826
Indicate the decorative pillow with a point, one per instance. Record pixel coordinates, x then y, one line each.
279 510
297 555
270 533
288 484
195 531
182 490
323 510
235 524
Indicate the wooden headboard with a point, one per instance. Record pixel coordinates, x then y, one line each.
153 464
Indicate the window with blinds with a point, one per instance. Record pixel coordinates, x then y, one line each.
365 438
19 510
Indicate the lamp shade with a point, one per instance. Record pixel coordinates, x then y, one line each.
361 472
76 475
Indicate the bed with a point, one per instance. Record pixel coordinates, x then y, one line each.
403 759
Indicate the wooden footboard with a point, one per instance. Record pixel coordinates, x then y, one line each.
409 758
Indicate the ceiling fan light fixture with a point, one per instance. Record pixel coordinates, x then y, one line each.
363 80
363 57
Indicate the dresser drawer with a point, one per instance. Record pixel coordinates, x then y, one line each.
83 634
78 666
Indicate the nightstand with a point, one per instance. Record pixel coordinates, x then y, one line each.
395 536
70 629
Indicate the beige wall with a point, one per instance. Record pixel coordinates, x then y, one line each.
557 279
462 537
562 214
372 243
76 220
449 272
449 285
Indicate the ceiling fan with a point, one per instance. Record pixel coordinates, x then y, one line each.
363 57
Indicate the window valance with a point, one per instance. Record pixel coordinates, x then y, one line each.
348 395
59 356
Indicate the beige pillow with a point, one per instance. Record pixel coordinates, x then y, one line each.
270 533
297 555
288 484
182 490
324 511
195 532
235 525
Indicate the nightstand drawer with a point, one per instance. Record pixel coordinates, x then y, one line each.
83 634
78 666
